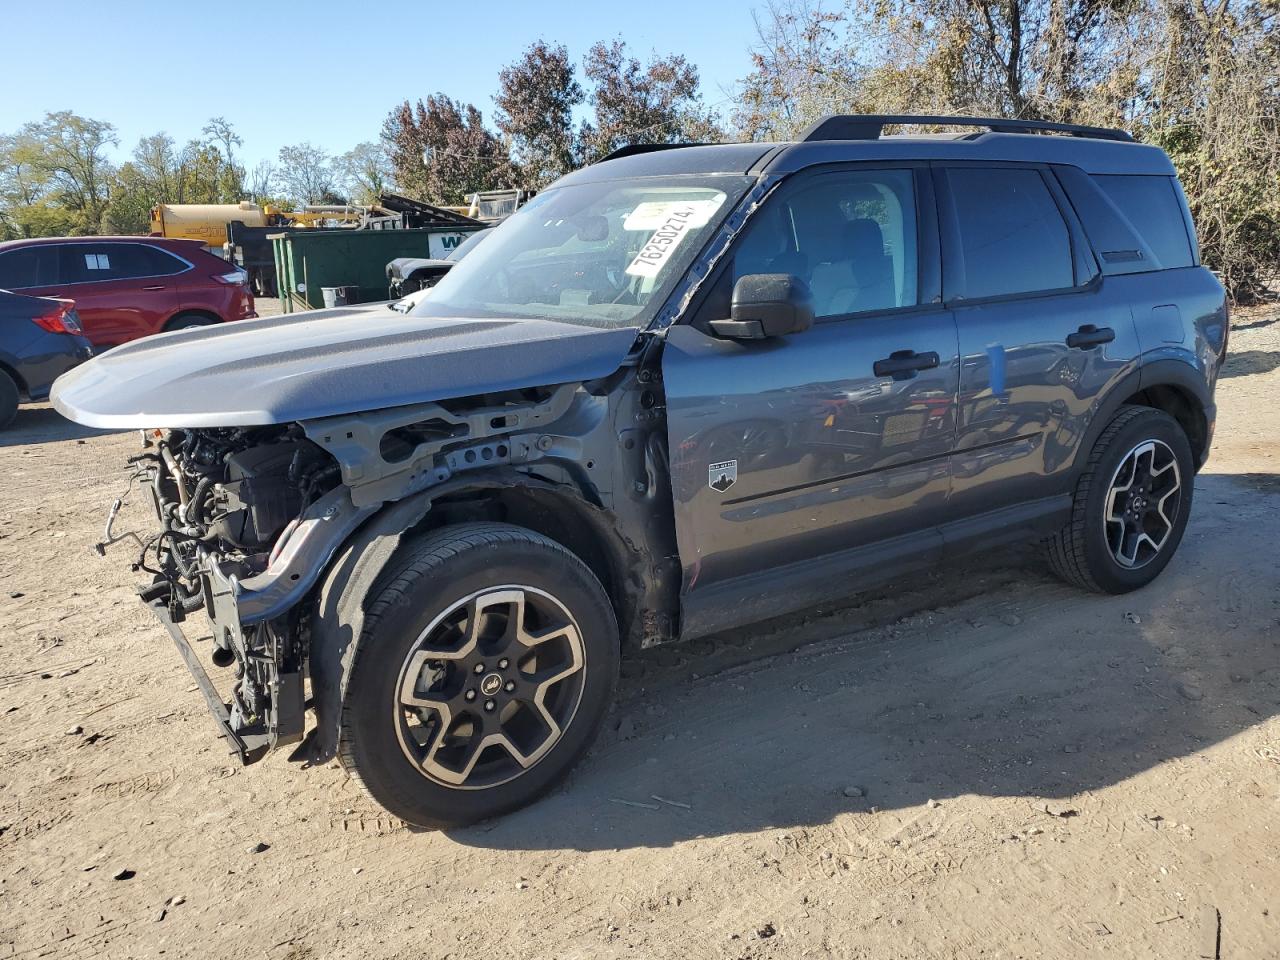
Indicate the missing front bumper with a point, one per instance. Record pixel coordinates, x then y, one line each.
249 747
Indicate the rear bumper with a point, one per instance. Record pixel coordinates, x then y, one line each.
49 357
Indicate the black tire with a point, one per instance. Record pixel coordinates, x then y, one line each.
431 580
1083 552
186 321
8 400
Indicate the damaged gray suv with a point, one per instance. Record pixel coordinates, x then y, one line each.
680 391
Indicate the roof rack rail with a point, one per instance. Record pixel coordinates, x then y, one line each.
869 126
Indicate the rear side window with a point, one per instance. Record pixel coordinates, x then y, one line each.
1012 235
1152 206
29 267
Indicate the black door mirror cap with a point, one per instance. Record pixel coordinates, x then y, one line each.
767 305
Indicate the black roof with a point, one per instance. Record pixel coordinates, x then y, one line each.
1094 150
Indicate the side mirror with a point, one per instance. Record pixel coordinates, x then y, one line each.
767 305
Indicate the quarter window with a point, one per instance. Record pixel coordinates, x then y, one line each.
1012 235
850 236
1153 209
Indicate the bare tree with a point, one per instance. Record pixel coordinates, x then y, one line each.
261 181
1198 77
364 171
306 174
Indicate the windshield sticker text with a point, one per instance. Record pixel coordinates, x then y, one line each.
651 214
653 256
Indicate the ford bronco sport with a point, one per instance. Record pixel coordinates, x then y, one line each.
680 391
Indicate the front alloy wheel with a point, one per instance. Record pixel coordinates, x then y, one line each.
486 662
490 687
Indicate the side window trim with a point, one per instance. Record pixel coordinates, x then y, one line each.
928 242
1084 262
953 266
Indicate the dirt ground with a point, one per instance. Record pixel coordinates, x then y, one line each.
1043 773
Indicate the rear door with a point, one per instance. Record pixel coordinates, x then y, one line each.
805 448
1041 337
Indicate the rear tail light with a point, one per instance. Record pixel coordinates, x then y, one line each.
61 319
236 278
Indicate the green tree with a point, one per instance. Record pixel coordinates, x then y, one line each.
59 163
25 186
159 172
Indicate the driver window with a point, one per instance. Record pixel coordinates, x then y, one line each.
850 236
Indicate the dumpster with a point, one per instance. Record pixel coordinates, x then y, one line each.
307 261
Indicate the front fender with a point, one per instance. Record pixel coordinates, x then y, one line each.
339 612
353 575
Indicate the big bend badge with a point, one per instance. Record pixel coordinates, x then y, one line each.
722 476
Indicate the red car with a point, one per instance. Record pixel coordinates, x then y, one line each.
129 287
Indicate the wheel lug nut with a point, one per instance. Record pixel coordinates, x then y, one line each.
479 668
488 705
471 695
511 685
503 663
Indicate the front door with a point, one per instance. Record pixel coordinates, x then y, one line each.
791 451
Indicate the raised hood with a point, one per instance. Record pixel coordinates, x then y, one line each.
299 367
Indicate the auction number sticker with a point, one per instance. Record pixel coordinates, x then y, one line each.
671 221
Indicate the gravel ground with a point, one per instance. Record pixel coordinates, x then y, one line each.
982 764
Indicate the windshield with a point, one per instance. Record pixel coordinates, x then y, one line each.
599 254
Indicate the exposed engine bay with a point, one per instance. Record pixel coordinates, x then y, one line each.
227 500
229 491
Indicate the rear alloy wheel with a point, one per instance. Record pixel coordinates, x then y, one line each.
8 399
1131 504
1143 501
486 663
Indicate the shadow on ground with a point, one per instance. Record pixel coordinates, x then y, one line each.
40 423
1248 362
995 681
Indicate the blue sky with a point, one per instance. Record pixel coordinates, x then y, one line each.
324 71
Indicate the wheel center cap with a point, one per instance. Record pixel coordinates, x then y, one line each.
491 684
